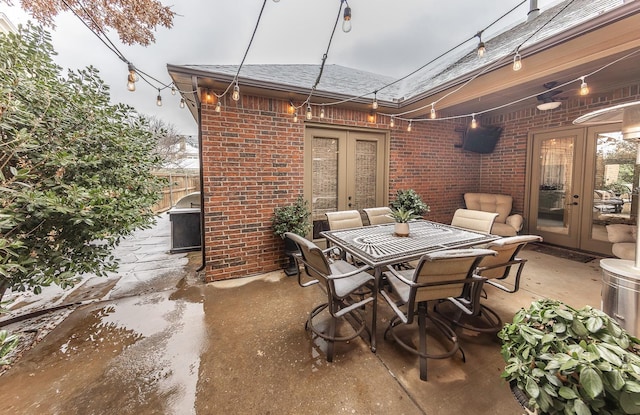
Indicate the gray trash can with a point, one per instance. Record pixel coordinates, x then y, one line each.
621 293
185 224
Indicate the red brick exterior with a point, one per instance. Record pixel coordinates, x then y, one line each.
253 162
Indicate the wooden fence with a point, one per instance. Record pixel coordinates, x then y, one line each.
179 184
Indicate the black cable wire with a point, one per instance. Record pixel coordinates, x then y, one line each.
255 29
326 54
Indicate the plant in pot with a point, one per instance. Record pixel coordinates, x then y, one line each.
402 218
291 218
410 200
571 361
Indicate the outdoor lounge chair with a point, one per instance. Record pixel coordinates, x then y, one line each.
348 290
475 220
344 219
378 215
439 276
505 223
494 268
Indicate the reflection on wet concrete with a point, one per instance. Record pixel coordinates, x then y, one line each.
132 356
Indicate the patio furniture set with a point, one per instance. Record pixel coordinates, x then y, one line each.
439 265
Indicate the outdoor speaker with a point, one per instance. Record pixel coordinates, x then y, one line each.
481 139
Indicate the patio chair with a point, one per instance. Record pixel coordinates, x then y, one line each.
439 276
378 215
475 220
344 219
348 290
494 268
506 224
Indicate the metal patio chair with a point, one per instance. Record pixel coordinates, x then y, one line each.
475 220
494 269
439 276
348 290
378 215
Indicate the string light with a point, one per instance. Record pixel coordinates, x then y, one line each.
392 123
218 106
517 62
409 126
276 1
321 112
132 78
584 88
309 114
173 90
346 24
181 102
374 104
236 92
159 99
433 111
481 48
295 116
372 117
474 123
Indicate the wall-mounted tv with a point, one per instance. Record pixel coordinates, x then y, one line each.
481 139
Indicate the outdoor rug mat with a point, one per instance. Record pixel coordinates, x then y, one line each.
560 252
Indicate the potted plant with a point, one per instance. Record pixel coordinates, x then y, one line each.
291 218
410 200
571 361
402 218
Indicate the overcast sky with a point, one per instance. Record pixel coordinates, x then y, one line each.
387 37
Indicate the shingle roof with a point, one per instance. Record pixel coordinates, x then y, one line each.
353 82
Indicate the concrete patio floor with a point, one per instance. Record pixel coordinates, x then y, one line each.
158 341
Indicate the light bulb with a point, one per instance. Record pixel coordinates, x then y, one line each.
321 112
409 127
474 123
173 90
131 84
584 88
374 104
218 106
346 24
392 123
132 73
181 102
276 1
236 93
372 117
159 99
433 112
309 114
517 62
295 116
481 49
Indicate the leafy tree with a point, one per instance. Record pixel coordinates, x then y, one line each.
75 171
134 20
168 139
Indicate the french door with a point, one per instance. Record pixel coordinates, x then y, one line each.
344 170
582 179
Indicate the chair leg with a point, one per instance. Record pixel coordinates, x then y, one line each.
331 343
422 327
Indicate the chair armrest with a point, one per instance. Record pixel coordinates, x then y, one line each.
399 276
350 273
515 221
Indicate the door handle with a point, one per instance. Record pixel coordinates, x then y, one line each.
572 204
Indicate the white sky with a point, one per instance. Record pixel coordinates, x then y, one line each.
388 37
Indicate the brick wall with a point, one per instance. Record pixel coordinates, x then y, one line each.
253 162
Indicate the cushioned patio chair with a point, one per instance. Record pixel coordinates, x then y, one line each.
348 290
505 224
494 268
475 220
344 219
378 215
444 275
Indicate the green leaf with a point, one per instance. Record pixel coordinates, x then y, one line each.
591 382
631 386
567 393
579 328
567 315
630 402
581 408
532 388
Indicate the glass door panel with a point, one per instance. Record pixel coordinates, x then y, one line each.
324 183
366 167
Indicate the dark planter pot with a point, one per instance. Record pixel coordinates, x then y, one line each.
290 249
520 396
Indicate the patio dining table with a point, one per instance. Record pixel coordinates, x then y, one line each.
378 246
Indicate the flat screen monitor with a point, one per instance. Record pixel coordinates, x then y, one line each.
481 139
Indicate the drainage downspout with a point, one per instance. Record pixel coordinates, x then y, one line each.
534 11
196 96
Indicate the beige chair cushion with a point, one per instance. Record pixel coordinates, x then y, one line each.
378 215
344 219
620 232
476 220
488 202
624 250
